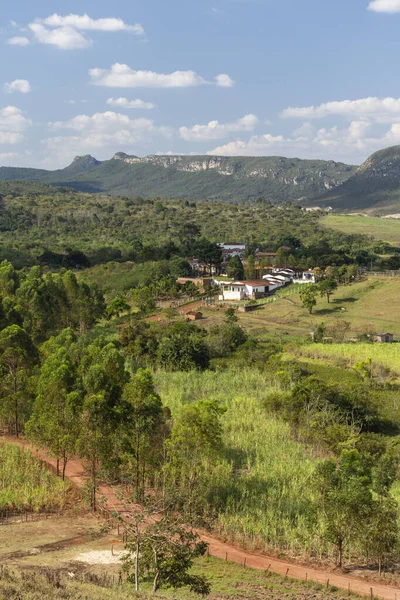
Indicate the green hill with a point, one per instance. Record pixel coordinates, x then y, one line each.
374 187
197 177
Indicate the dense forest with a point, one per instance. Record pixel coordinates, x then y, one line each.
36 220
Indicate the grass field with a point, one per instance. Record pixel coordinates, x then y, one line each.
366 305
349 354
26 484
387 230
267 499
36 572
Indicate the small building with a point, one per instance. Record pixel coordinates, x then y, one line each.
245 290
230 249
194 315
384 338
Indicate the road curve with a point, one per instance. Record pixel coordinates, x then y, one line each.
75 473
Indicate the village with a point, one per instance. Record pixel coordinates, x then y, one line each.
243 294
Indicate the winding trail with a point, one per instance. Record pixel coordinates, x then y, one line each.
76 474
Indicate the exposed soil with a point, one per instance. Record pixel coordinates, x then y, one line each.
75 472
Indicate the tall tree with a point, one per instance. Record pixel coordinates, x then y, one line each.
142 420
17 357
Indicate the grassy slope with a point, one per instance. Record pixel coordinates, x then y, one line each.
368 303
267 501
387 230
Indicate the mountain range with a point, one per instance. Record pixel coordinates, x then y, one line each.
375 184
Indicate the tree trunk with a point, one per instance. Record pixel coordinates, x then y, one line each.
157 576
137 558
340 548
380 566
58 467
94 484
65 460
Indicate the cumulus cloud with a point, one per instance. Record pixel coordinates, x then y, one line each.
85 23
64 38
18 41
348 143
64 32
214 130
108 131
18 85
125 103
379 109
123 76
223 80
12 123
385 6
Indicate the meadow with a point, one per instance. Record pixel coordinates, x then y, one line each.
268 503
367 305
387 230
347 355
26 484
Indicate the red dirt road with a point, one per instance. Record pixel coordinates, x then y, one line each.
76 474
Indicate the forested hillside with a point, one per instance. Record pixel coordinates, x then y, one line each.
279 179
35 218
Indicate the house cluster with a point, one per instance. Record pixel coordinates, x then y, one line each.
260 288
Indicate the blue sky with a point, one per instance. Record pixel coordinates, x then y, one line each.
306 78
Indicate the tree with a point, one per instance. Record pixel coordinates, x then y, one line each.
308 298
144 298
103 377
235 268
346 499
54 422
183 349
382 530
230 315
17 356
194 445
250 267
327 287
163 553
142 419
117 306
208 253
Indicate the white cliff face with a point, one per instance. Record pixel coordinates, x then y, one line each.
229 168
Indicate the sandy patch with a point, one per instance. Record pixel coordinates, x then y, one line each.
100 557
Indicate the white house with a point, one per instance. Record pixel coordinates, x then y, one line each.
230 249
242 290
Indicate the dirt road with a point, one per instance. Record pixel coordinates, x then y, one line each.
76 474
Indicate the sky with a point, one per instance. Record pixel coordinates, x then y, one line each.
314 79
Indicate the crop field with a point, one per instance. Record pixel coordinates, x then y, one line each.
26 484
268 502
387 355
387 230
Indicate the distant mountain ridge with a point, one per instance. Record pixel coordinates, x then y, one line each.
375 185
197 177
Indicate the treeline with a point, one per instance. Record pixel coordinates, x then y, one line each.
48 227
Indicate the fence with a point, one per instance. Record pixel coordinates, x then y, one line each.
8 517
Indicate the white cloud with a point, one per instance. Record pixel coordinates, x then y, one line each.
379 109
64 38
385 6
108 131
223 80
64 31
125 103
85 23
18 41
215 130
12 119
5 156
123 76
351 144
18 85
